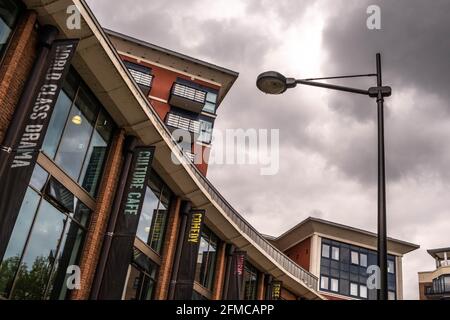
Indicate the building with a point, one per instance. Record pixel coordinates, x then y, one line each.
435 285
339 256
100 198
185 92
89 185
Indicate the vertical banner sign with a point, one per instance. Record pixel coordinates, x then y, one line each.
276 290
188 261
235 290
121 251
24 153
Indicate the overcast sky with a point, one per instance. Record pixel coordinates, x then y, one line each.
327 139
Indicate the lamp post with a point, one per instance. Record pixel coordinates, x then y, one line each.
272 82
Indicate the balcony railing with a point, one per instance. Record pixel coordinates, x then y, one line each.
141 78
179 122
188 98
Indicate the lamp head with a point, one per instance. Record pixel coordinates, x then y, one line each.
272 82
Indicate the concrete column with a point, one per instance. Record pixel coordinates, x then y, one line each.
100 217
314 264
168 252
219 274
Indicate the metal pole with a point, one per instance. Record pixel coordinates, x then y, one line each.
382 232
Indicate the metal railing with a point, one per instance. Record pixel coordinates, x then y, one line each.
180 122
184 91
141 78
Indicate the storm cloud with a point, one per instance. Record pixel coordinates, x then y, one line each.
327 139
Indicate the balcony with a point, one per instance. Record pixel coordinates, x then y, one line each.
141 78
176 121
187 98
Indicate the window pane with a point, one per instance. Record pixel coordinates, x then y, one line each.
17 241
324 283
391 266
355 257
68 256
335 285
75 140
363 258
40 254
9 11
391 295
354 289
325 251
149 208
96 155
335 253
56 125
38 178
363 292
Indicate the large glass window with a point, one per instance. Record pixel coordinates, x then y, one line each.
250 282
206 259
141 278
47 239
348 265
155 210
9 12
79 134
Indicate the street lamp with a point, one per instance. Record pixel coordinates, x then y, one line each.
272 82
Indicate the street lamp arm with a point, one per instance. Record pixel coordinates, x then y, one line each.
329 86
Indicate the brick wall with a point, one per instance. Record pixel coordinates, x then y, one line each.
16 66
99 218
300 253
168 252
219 273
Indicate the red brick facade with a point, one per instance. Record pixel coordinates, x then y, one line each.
15 68
300 253
168 252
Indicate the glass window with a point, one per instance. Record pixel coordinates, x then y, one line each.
250 282
142 277
206 259
47 238
349 265
11 259
206 129
391 266
79 134
9 12
355 257
334 285
354 289
155 210
391 295
210 104
363 260
363 291
325 251
335 253
447 283
324 283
